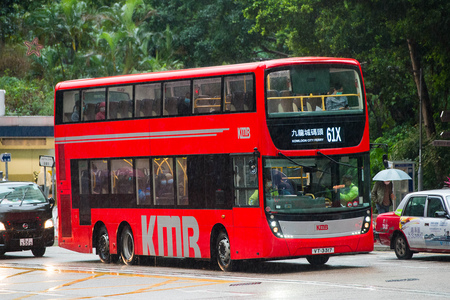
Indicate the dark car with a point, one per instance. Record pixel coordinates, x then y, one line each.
25 218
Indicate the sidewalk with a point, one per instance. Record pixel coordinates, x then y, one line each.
378 247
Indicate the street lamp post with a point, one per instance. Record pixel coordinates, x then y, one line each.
420 171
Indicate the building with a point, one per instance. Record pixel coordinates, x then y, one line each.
26 138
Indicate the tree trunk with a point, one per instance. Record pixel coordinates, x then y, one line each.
427 112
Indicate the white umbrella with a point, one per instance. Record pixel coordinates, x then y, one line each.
391 174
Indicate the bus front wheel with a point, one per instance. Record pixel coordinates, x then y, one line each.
317 260
223 252
127 247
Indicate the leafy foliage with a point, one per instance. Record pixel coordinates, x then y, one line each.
27 98
108 37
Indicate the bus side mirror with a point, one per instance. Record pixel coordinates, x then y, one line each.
253 163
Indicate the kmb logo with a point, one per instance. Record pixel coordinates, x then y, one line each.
243 132
322 227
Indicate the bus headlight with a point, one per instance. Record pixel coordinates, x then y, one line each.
366 223
275 226
2 226
48 223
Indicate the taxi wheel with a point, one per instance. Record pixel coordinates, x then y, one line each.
317 260
127 247
401 248
38 252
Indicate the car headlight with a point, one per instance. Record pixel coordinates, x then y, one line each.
2 226
48 223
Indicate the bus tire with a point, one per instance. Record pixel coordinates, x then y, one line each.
401 247
38 252
317 260
103 246
127 247
223 252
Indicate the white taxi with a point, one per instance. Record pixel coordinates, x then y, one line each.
421 223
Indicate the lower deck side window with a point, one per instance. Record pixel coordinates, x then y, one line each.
198 181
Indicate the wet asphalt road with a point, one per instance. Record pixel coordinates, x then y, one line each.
62 274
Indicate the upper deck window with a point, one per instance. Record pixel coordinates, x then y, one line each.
172 98
148 100
314 90
120 102
177 98
93 102
239 94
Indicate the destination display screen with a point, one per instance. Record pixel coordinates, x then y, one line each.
298 133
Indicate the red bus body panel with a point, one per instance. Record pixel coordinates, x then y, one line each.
247 227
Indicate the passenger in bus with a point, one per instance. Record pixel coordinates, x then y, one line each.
268 190
164 191
348 191
101 111
76 112
144 194
336 103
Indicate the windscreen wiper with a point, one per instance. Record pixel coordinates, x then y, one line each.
6 196
23 197
312 167
335 161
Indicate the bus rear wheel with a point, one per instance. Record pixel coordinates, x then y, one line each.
317 260
223 252
127 247
103 246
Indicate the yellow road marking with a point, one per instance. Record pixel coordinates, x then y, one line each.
139 288
21 273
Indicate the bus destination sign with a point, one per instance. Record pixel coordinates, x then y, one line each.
328 135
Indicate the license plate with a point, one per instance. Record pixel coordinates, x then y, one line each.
323 250
26 242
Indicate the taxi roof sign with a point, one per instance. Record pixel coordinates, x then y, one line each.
46 161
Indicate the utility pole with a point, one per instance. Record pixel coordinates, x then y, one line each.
420 171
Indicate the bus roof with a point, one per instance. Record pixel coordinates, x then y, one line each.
188 73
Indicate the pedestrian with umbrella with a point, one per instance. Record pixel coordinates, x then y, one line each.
382 192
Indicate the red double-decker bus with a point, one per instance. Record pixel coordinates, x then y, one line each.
264 160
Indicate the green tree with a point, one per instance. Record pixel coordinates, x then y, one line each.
392 39
206 32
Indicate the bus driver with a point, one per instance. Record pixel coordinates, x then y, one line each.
347 191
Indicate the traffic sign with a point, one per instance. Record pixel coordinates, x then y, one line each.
445 116
441 143
46 161
445 134
6 157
